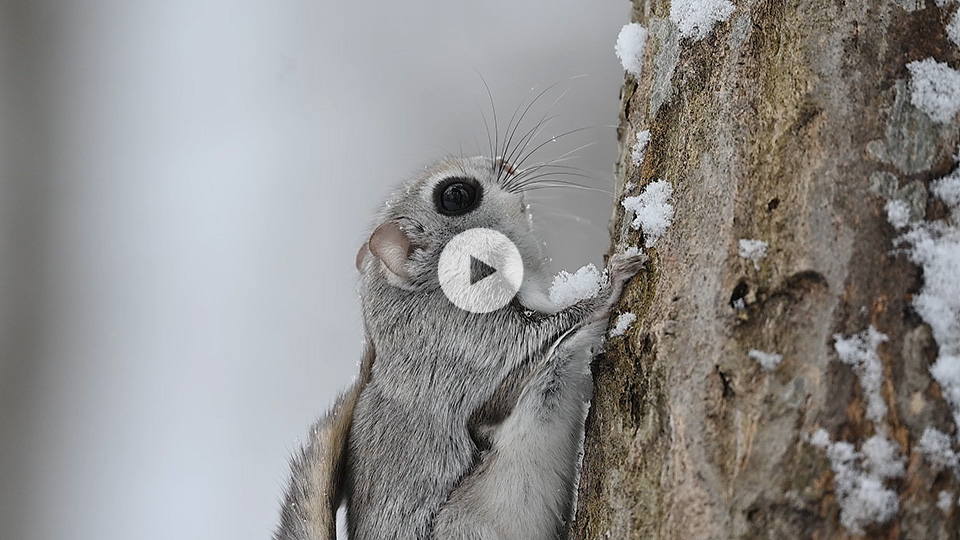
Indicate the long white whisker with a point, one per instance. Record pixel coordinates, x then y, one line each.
560 184
510 134
538 127
524 159
535 178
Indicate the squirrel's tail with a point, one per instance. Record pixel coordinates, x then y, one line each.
315 490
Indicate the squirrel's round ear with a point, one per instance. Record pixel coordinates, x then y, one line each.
360 255
390 244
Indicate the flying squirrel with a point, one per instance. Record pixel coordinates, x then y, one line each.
460 425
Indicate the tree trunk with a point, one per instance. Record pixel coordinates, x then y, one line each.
791 123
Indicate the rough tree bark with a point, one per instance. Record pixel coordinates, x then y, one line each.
787 124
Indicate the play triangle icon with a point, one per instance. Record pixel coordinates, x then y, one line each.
479 270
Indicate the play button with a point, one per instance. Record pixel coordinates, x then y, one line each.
480 270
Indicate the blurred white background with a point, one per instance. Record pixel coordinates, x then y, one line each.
183 187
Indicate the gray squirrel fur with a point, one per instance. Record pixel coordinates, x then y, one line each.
461 426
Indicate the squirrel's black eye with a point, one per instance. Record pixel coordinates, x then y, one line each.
456 196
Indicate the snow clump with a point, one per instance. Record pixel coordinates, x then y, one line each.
631 43
859 479
695 18
753 250
936 447
568 289
935 89
623 324
935 247
953 29
634 251
947 189
859 476
640 147
944 501
652 210
767 360
898 213
860 353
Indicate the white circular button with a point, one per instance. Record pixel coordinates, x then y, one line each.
480 270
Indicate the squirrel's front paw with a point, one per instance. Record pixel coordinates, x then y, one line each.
622 267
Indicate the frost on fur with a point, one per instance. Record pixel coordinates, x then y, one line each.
623 324
639 150
860 353
859 478
568 289
631 43
753 250
767 360
935 89
652 210
695 18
